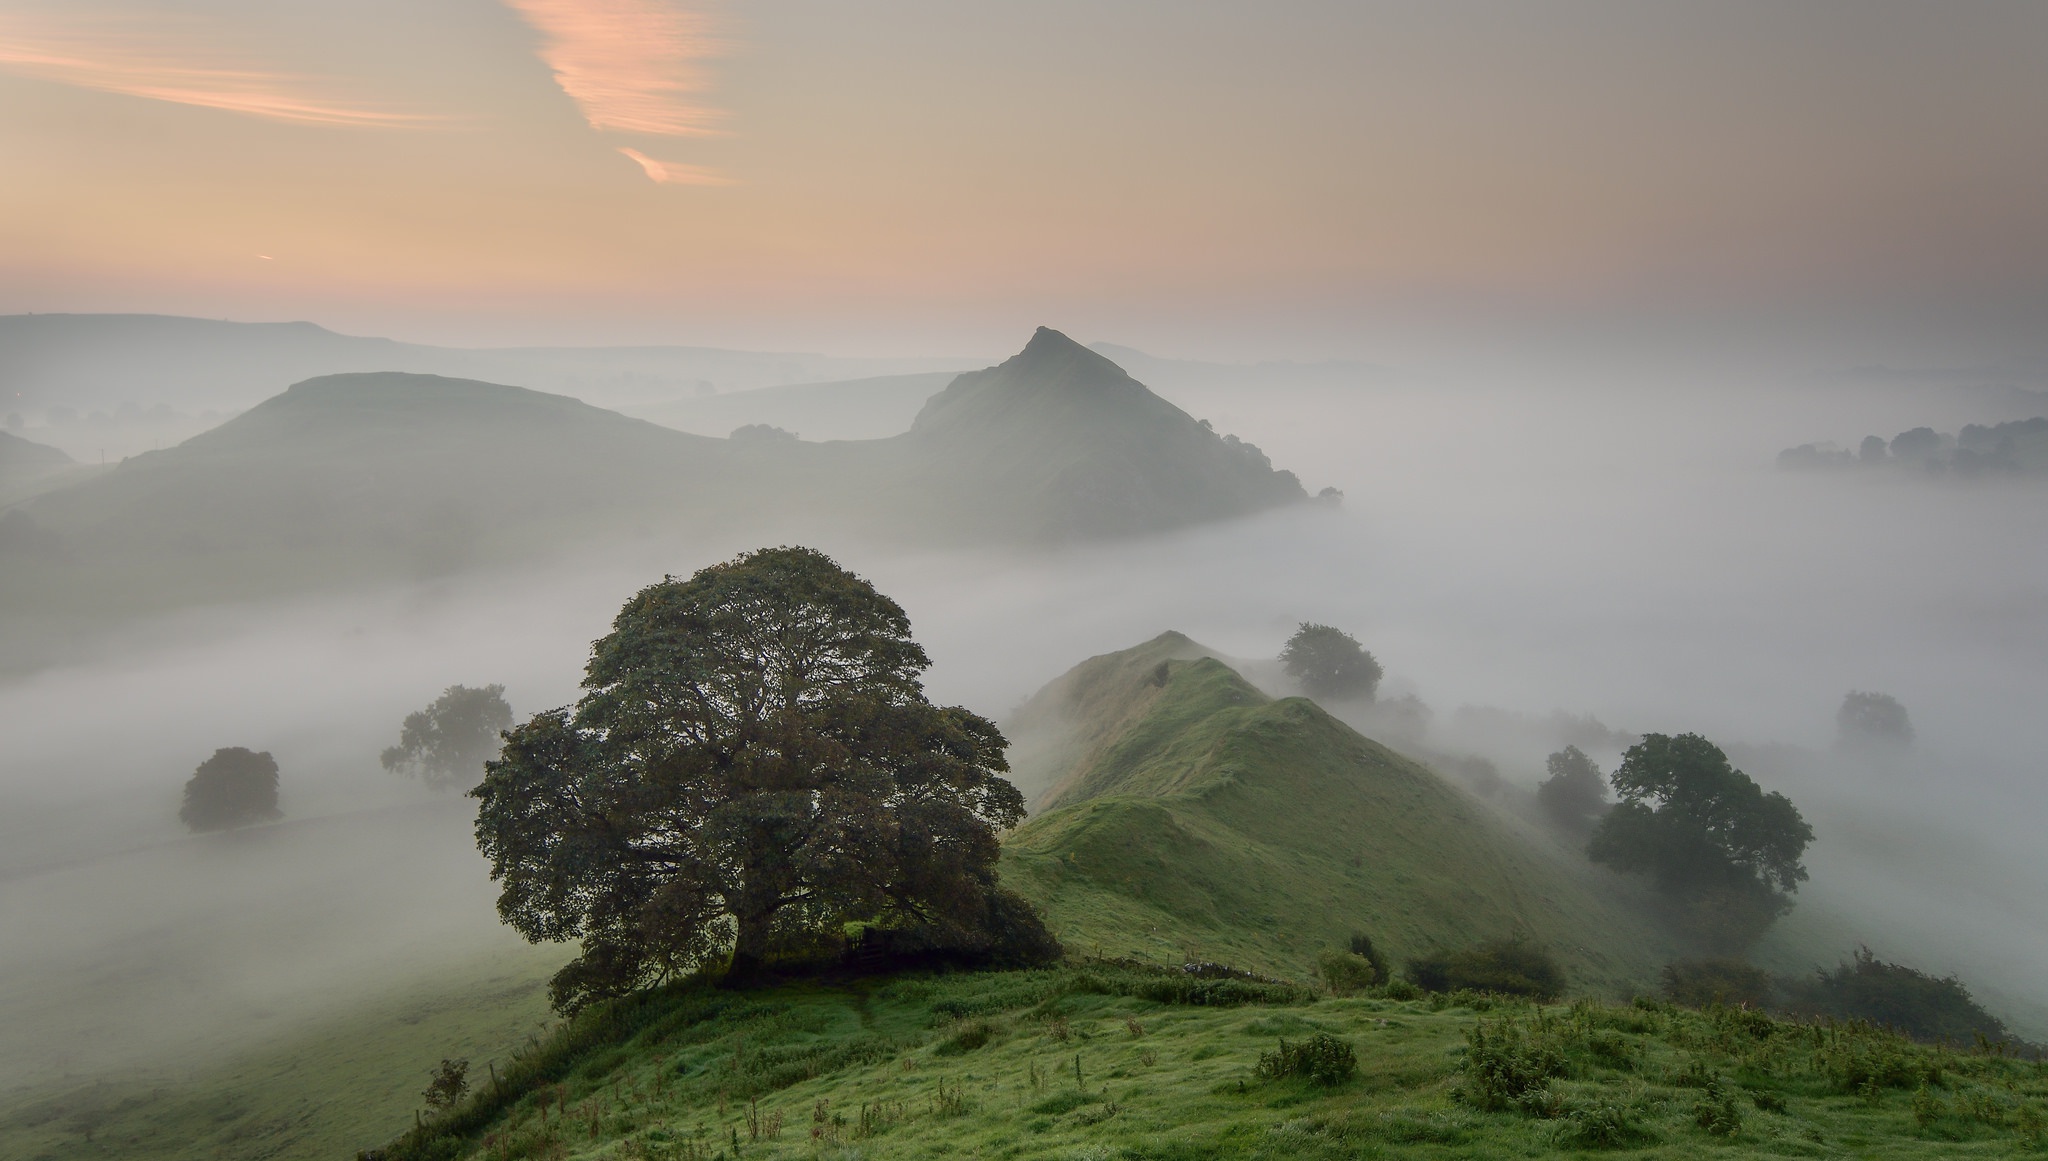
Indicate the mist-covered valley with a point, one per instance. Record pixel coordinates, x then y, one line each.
1576 539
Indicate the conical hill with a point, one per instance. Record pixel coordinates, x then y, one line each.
1195 816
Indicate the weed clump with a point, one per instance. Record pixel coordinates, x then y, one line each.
1506 1069
1321 1058
1716 1111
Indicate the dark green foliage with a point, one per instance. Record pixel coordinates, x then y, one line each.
1353 971
1716 1110
1511 967
236 787
1895 996
1507 1069
1321 1058
1575 793
1361 946
1872 721
1723 851
1697 983
446 744
753 765
450 1084
1328 662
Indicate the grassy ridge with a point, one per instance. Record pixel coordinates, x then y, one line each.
1115 1061
1206 820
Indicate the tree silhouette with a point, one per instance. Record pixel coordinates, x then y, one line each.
1870 721
1575 793
1328 662
234 788
1707 835
447 743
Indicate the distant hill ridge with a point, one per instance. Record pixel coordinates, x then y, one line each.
372 475
1194 815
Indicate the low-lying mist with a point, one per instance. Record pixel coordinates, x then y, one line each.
1613 545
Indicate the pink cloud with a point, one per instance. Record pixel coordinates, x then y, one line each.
631 66
175 64
670 173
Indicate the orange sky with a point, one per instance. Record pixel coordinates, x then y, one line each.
937 174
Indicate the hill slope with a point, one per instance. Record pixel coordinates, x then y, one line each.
1197 817
1103 1061
367 476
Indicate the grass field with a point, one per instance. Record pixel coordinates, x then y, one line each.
327 1090
1110 1061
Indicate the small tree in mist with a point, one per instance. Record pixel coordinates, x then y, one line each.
447 743
1328 662
235 787
1725 853
753 765
1575 793
1872 721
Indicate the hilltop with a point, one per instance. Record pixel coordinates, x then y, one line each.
1183 814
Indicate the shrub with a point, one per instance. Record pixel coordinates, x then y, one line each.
1699 983
1361 946
1899 997
1505 1069
1321 1058
1716 1111
1509 967
1344 973
450 1084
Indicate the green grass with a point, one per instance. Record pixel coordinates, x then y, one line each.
1109 1061
1206 820
324 1091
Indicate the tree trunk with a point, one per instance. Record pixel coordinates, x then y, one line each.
750 944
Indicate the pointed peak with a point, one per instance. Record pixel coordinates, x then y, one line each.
1050 348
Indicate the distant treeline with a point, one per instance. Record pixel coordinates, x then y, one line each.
2017 447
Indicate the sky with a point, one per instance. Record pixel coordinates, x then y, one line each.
1295 177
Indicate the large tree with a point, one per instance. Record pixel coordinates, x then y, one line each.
1328 662
1724 851
447 743
234 788
753 765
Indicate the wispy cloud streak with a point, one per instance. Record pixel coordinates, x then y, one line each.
670 173
631 66
175 65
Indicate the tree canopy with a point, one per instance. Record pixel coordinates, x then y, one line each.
1328 662
1575 792
447 743
1872 721
236 787
1707 835
753 766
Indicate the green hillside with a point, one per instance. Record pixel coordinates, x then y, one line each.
1195 817
1105 1061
